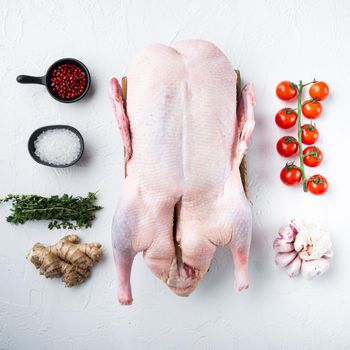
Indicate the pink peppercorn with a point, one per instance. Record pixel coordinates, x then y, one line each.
68 81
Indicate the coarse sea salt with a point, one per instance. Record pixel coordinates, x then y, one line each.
57 146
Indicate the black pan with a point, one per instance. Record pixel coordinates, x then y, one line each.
45 80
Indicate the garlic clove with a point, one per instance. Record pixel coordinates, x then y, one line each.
286 233
313 268
322 246
297 226
293 269
282 246
283 259
328 254
312 245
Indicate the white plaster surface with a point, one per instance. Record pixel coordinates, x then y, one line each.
268 41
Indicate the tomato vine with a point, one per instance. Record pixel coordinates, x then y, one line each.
318 91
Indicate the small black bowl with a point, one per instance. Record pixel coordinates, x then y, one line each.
45 80
37 132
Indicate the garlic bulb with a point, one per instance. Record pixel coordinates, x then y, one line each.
303 248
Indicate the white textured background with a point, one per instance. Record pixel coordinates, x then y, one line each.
268 41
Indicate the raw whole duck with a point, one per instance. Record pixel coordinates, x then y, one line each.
184 143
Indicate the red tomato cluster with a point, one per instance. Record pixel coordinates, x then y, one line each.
288 146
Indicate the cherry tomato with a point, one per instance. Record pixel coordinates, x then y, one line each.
319 90
311 109
312 156
286 90
287 146
317 184
286 118
290 175
309 134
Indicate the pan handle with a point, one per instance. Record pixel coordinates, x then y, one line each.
28 79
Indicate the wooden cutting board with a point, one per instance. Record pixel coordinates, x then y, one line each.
243 165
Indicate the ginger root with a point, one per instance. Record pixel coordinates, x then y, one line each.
67 258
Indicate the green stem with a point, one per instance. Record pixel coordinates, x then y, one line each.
311 82
290 110
312 154
48 209
58 208
313 100
301 156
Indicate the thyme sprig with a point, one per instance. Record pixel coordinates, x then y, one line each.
64 211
